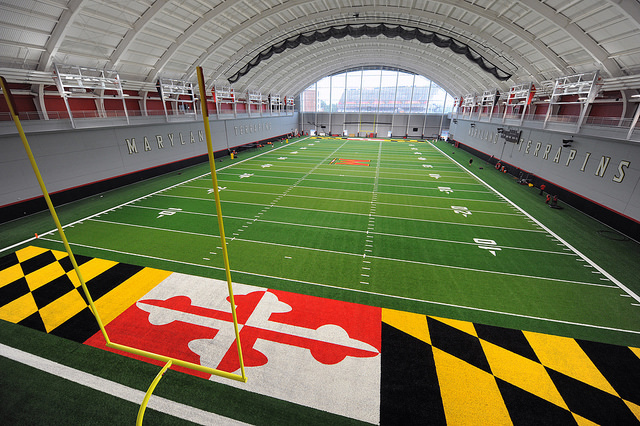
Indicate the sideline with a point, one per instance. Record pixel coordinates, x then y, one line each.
623 287
118 390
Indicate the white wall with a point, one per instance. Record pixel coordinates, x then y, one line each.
76 157
605 170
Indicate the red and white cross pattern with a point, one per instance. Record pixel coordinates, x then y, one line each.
317 352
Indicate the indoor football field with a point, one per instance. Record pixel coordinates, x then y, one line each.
376 281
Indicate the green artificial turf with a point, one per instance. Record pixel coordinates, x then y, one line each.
311 241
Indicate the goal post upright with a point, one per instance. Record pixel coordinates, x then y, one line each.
168 360
216 193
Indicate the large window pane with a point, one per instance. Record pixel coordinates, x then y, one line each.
448 107
324 95
404 93
370 90
352 92
337 93
309 99
420 95
388 91
436 101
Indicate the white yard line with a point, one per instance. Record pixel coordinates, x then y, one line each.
433 189
221 179
361 214
329 228
355 201
309 187
152 228
415 262
118 390
430 302
364 183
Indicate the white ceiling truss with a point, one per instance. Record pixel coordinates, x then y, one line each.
532 40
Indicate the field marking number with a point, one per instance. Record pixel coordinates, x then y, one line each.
462 210
168 212
490 245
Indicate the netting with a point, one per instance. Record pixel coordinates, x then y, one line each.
390 31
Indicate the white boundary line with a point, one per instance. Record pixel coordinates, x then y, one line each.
118 390
576 251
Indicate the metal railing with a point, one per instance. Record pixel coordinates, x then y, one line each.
64 115
569 119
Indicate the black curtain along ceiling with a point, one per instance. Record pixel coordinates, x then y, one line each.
391 31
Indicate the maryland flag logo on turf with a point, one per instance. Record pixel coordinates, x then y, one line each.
309 342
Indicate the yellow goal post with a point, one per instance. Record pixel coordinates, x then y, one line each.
167 360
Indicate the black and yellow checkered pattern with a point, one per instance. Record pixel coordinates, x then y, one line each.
40 289
441 371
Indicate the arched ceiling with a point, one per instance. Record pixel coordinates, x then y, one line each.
533 40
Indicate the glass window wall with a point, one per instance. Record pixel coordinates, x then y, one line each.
388 86
376 91
337 92
436 101
421 91
404 93
352 92
370 90
323 95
